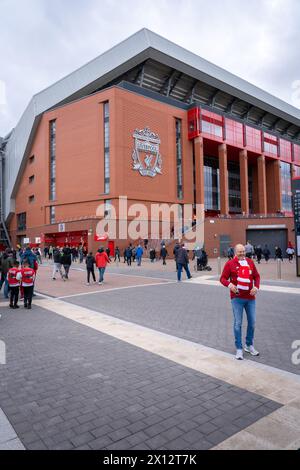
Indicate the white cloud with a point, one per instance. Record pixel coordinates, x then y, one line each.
42 41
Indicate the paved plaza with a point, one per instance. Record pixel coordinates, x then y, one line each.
145 362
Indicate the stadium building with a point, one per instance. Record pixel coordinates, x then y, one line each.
156 123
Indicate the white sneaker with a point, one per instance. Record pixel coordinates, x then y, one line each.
239 355
251 350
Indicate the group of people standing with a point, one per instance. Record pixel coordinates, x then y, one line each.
258 252
18 274
78 253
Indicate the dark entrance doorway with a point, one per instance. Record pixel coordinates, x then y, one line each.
271 237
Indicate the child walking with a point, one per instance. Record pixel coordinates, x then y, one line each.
14 277
28 277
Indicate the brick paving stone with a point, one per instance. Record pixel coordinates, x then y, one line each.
65 405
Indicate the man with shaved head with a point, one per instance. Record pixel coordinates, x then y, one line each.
242 278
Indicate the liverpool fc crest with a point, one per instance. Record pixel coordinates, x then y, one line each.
146 157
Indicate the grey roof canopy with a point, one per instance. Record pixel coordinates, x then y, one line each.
156 64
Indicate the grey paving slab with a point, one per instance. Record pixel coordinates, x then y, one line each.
134 399
202 314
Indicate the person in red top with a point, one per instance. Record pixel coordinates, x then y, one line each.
101 262
242 278
14 277
28 277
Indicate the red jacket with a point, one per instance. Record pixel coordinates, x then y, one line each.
28 276
101 259
230 275
13 277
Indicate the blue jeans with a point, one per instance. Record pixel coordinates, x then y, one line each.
101 274
179 270
238 305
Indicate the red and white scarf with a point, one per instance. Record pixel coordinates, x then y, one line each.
244 273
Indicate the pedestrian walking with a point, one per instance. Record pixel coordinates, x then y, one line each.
242 278
258 253
278 253
6 263
175 252
117 254
163 254
28 278
139 254
101 262
152 254
46 252
128 255
14 277
57 267
66 260
182 260
81 255
90 264
266 253
249 250
290 251
50 252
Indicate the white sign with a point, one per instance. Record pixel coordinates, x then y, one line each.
146 157
61 227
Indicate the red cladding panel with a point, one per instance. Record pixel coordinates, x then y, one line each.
234 133
253 139
193 123
297 154
285 150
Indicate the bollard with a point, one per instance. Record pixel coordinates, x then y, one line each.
219 265
279 268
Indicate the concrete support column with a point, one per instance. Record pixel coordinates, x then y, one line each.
262 185
223 173
244 181
199 170
274 196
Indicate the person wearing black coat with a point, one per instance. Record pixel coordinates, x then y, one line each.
258 252
66 260
57 263
278 253
266 253
163 254
182 262
90 263
175 252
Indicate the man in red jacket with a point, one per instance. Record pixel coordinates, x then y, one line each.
242 278
101 262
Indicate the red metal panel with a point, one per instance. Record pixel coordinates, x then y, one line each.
253 139
234 133
193 123
297 154
285 150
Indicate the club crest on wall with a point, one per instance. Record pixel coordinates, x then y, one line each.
146 157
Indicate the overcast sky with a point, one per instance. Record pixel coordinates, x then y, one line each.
43 40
